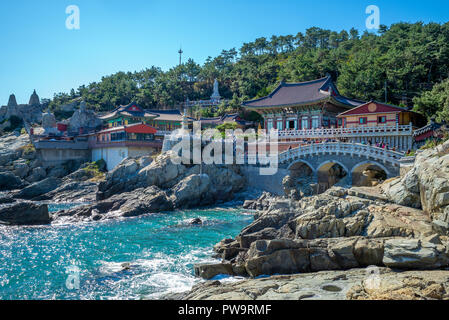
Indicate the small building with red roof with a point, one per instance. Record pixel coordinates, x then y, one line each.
376 114
115 144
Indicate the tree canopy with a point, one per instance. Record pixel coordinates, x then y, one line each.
407 60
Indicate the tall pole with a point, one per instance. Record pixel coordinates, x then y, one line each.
180 55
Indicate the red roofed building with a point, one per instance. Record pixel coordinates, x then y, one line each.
115 144
375 114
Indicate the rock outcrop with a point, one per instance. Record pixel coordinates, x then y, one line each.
83 118
425 186
337 230
38 188
139 202
11 147
142 186
9 181
354 284
222 181
31 112
24 213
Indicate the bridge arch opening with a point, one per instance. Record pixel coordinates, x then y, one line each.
300 169
299 180
331 173
369 174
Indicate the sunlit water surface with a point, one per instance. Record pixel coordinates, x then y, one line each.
42 262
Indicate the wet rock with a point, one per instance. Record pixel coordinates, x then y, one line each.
192 191
9 181
208 271
138 202
36 175
412 254
25 213
38 188
196 222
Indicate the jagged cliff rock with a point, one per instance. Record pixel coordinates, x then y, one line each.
162 172
139 186
83 118
425 186
31 112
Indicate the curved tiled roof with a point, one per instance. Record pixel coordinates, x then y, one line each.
166 115
290 94
128 111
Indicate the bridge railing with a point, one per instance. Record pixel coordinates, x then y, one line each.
342 148
346 132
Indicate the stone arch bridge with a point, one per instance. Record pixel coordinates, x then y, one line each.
353 158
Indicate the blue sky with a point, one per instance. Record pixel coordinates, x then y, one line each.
38 52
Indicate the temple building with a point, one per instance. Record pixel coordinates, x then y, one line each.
127 133
115 144
165 121
209 123
374 114
306 105
125 115
314 111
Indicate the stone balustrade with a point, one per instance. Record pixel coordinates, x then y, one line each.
379 131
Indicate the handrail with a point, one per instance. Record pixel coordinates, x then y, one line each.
345 132
342 148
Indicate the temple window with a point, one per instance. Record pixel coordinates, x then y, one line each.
363 120
340 122
382 119
315 122
269 124
305 123
280 124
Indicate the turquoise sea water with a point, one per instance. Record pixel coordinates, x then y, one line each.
37 262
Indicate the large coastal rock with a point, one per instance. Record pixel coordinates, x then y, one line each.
138 202
132 174
83 118
179 180
354 284
24 213
12 147
339 229
426 185
38 188
9 181
332 214
191 191
414 254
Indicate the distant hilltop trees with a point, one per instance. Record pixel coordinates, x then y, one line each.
400 63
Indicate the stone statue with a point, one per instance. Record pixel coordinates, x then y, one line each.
12 102
34 99
216 94
83 106
49 123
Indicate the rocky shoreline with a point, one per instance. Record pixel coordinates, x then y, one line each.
399 227
353 284
134 187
